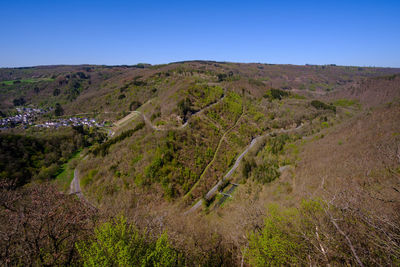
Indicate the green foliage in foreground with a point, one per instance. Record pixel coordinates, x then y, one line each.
119 243
275 245
317 233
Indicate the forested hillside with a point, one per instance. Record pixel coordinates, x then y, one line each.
200 163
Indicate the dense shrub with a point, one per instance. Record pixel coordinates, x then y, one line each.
276 144
318 233
185 107
88 178
58 111
23 158
248 166
344 102
276 244
203 95
19 101
140 65
223 184
276 94
137 82
155 115
56 92
267 172
167 170
119 243
256 82
74 90
321 105
82 75
134 105
223 76
103 148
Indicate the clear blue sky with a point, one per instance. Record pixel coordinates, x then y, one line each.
363 33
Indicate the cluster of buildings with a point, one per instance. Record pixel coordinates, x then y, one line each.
73 121
25 116
28 117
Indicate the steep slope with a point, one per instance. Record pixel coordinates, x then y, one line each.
326 136
353 167
372 92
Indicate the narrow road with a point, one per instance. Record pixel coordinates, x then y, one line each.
215 156
213 190
90 113
75 187
156 128
209 106
148 122
226 195
233 169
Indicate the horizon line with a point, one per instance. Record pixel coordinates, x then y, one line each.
194 60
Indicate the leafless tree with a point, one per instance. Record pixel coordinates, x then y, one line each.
40 226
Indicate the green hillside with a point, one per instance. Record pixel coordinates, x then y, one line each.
207 163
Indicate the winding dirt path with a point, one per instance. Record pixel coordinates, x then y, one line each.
75 187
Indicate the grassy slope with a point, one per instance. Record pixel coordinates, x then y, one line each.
64 178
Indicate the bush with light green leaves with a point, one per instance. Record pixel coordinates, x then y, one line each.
119 243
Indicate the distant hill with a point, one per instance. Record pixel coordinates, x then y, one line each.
85 88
